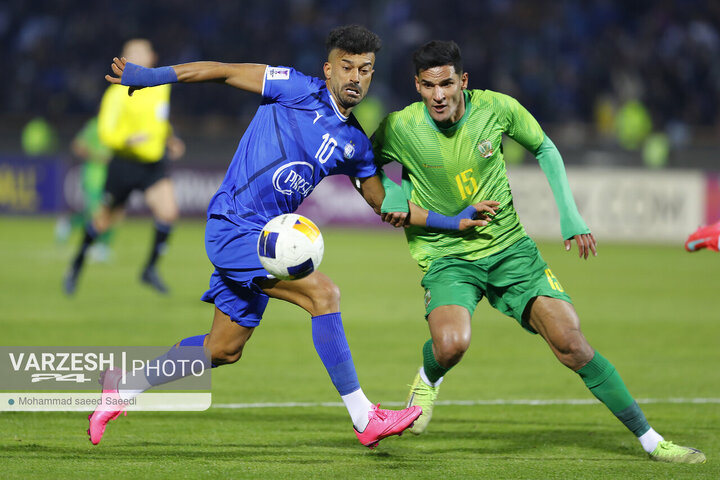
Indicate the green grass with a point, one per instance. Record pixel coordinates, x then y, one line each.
652 310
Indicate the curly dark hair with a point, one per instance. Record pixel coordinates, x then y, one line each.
438 53
353 39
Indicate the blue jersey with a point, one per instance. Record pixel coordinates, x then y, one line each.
297 137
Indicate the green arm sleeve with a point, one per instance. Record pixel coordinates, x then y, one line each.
571 223
395 200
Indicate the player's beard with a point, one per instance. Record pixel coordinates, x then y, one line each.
347 101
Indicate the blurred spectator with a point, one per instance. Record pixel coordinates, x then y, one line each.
561 58
38 138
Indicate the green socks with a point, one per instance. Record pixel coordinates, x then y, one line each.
599 376
433 370
605 383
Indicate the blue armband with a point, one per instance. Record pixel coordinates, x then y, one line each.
435 220
137 76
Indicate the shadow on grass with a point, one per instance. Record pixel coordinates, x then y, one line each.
314 436
322 446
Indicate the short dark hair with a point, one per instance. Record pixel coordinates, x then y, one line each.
353 39
438 53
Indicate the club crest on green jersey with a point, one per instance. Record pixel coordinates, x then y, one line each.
486 148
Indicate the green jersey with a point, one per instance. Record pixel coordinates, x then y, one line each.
450 169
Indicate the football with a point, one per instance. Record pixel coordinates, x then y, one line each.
290 246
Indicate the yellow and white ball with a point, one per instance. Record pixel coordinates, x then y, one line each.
290 247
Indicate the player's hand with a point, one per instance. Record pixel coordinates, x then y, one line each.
118 66
396 219
484 211
586 243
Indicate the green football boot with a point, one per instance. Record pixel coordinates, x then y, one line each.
667 451
422 395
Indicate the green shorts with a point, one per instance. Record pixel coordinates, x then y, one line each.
509 279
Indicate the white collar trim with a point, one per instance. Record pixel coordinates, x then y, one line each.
342 117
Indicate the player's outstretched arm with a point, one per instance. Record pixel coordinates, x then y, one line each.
572 226
477 215
245 76
374 191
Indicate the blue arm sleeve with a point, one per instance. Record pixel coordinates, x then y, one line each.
138 76
443 222
571 223
396 201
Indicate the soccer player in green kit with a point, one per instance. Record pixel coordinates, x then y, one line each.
449 145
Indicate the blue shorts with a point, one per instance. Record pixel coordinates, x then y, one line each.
231 246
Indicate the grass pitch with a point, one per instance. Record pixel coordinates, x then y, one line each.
653 311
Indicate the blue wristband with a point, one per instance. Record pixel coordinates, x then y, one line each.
435 220
137 76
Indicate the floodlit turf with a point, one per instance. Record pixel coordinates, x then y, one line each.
653 311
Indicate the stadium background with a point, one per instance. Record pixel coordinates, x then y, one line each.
615 84
629 91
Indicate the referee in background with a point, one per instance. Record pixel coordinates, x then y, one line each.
137 130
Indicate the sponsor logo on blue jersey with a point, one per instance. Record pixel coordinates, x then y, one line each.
294 177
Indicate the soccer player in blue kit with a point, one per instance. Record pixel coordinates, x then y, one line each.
302 132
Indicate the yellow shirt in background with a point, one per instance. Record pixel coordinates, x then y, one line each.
135 127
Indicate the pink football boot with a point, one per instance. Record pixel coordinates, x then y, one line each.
384 423
110 406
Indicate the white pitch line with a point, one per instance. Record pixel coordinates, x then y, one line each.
569 401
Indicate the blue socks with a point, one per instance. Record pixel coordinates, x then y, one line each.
332 347
328 337
180 360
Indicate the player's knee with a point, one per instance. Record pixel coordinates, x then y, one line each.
101 223
450 349
225 356
325 297
573 350
173 213
168 215
168 218
224 353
